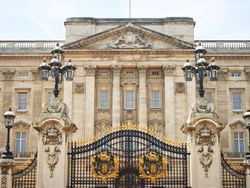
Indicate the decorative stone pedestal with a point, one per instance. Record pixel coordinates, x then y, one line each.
6 166
55 129
203 139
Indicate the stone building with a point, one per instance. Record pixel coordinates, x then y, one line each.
128 71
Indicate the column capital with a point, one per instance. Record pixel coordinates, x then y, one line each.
142 68
90 70
169 70
116 69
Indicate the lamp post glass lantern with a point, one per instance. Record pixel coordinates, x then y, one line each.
56 70
9 118
201 69
246 117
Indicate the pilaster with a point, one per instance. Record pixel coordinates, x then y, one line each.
116 96
142 96
89 128
169 95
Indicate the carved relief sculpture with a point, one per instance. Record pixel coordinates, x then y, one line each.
52 158
205 139
130 40
52 137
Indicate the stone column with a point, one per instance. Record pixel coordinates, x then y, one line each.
54 132
169 96
116 96
6 166
203 139
89 125
142 97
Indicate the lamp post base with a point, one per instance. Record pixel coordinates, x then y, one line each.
7 155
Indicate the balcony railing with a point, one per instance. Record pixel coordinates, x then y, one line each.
228 44
24 155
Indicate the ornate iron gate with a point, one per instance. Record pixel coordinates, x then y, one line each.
232 178
128 158
26 178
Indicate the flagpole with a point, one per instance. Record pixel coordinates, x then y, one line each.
129 8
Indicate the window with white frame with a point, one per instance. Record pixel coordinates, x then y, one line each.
22 101
129 99
21 142
239 142
103 99
237 101
155 99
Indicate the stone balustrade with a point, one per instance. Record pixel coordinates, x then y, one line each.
227 44
30 44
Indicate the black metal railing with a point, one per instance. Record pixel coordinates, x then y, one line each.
232 178
166 164
26 178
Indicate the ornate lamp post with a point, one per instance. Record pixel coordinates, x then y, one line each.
246 117
56 70
201 69
9 117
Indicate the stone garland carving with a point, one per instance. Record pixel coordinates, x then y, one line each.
52 158
205 139
52 137
130 40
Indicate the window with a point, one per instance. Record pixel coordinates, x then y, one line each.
21 142
237 101
209 97
236 74
103 99
50 96
155 99
22 101
129 99
238 142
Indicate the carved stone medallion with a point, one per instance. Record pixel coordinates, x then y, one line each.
52 136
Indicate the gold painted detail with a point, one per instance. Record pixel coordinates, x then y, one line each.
130 126
152 166
104 165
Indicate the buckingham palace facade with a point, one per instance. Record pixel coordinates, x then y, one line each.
128 71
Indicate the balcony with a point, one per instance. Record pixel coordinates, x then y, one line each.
237 156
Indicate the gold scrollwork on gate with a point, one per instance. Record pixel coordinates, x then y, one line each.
104 165
152 166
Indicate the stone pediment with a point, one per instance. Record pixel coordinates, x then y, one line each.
129 36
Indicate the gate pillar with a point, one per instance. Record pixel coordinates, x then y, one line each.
6 166
203 140
54 132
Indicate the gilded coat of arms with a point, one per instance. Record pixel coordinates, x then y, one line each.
153 166
104 165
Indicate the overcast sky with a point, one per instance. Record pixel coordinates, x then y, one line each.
44 19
